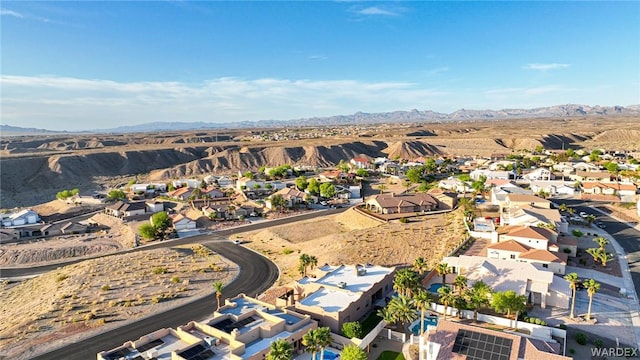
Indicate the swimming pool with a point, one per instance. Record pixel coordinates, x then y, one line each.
428 321
329 355
434 288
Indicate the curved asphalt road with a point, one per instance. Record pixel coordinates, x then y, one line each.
256 275
627 237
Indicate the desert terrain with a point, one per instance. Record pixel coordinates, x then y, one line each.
35 168
77 301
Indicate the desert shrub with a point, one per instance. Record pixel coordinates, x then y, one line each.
598 343
112 303
577 233
175 279
89 316
538 321
352 329
572 351
566 250
583 262
160 270
287 251
581 338
61 277
404 220
101 321
105 287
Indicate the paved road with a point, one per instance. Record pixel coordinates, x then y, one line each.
34 270
627 237
256 275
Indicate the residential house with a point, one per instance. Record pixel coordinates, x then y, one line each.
228 211
583 176
124 209
182 193
212 192
334 295
242 329
553 187
455 184
609 188
446 200
22 217
292 196
455 340
502 165
528 215
182 222
538 174
539 286
361 162
499 192
402 203
565 168
584 166
150 188
390 167
491 174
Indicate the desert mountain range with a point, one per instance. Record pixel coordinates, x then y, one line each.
35 168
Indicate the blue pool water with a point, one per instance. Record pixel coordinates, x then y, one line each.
330 355
428 320
434 287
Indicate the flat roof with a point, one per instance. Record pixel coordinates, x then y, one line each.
334 275
330 300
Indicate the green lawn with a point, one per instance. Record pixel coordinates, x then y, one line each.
391 355
369 323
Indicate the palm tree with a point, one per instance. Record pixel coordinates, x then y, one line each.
572 278
303 263
386 315
478 296
312 261
592 288
324 339
422 300
406 281
420 265
403 309
601 242
280 350
460 282
443 269
382 188
311 342
218 285
447 297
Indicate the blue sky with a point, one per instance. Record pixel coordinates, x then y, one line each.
92 65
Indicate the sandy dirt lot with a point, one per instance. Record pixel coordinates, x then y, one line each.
350 238
79 300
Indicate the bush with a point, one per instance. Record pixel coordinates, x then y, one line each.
105 287
160 270
566 250
583 262
287 251
598 343
175 279
61 277
352 329
577 233
572 351
404 220
538 321
562 326
581 338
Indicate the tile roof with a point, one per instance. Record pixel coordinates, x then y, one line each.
510 245
532 232
567 240
609 185
402 200
526 198
542 255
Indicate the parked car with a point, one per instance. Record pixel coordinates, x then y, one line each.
601 225
324 203
583 214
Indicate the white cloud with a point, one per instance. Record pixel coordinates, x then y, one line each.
76 104
545 67
375 10
7 12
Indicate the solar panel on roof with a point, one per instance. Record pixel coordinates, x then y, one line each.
480 346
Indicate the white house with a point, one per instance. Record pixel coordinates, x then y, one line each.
181 222
490 174
22 217
553 187
539 286
538 174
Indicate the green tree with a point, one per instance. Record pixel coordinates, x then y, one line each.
406 281
63 195
116 195
478 296
323 336
447 298
382 188
280 349
508 302
278 201
327 190
161 222
218 286
213 215
147 231
386 315
203 184
343 166
249 175
592 288
460 282
352 329
301 183
573 280
311 342
414 175
313 187
443 269
422 301
362 172
403 309
257 186
590 219
420 265
353 352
